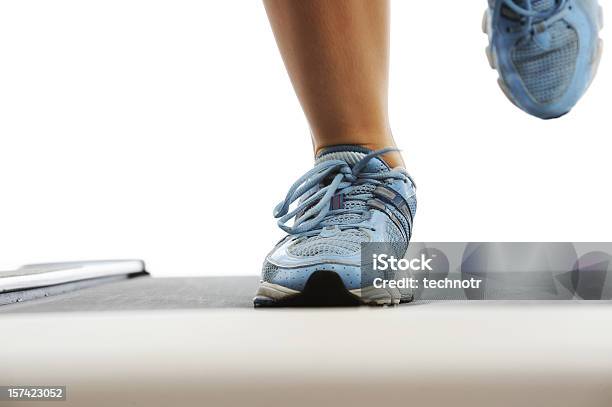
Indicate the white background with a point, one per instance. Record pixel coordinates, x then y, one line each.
167 130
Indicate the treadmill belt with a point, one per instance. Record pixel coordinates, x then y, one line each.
147 293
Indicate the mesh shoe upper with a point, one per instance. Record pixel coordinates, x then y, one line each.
343 243
547 72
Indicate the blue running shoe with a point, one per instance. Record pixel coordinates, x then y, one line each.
350 197
546 51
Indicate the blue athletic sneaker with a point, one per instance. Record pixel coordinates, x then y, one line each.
546 51
350 197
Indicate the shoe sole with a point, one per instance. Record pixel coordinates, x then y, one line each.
492 54
325 289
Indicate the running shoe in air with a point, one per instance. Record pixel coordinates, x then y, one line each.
545 51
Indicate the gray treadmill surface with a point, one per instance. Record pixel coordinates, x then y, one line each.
148 293
183 293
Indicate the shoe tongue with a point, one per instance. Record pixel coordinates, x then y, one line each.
544 5
351 155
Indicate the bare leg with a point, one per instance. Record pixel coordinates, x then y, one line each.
337 55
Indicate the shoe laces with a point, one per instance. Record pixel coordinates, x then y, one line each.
318 186
532 21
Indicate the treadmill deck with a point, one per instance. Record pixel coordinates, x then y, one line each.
198 342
